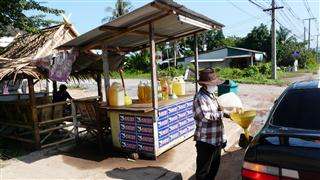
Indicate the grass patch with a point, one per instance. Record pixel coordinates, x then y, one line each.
257 74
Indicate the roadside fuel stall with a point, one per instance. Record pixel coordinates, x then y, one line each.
147 127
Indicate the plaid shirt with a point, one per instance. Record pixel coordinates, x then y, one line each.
209 126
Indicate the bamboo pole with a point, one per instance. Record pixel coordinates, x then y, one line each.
34 115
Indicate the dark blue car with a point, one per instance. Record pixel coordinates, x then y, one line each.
288 146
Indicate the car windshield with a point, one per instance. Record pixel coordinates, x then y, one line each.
299 108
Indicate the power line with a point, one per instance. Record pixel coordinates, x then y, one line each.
257 4
240 9
287 6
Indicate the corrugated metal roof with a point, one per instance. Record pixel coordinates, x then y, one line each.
130 32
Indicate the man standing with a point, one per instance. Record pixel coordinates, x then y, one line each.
209 127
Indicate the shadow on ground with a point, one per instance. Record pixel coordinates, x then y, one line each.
90 151
141 173
230 166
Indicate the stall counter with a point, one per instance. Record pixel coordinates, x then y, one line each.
134 129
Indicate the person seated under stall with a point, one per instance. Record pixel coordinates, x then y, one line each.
61 96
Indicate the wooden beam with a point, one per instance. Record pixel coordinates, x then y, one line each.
105 67
137 48
196 58
129 29
121 29
154 81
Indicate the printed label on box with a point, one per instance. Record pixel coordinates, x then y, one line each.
145 130
163 112
128 145
182 106
174 136
146 139
182 115
128 137
164 141
184 131
163 123
190 120
183 123
144 120
126 118
163 132
145 148
173 119
127 127
172 110
173 127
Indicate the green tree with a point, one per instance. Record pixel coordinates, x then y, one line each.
232 41
258 39
13 15
121 7
138 61
215 39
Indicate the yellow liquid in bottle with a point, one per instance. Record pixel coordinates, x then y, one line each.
141 94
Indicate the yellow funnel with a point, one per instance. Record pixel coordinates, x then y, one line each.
244 119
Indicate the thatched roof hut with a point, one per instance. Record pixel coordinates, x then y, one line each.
16 60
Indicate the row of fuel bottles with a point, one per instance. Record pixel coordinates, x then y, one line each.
167 89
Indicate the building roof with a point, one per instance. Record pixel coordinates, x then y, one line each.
209 60
130 32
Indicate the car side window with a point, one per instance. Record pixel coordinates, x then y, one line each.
299 108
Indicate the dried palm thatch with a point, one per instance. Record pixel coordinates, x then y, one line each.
22 67
28 44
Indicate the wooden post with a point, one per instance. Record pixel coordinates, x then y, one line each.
34 116
55 86
100 92
75 121
196 57
154 81
105 70
175 53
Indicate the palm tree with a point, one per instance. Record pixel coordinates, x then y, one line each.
121 7
283 35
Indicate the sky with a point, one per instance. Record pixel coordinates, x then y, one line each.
238 16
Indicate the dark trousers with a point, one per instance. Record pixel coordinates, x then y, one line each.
208 161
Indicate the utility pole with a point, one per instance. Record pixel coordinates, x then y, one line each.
304 33
273 43
309 36
317 49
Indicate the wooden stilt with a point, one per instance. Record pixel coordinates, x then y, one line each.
34 116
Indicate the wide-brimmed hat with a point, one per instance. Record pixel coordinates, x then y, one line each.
208 77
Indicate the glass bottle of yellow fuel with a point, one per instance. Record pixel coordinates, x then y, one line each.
141 93
147 93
